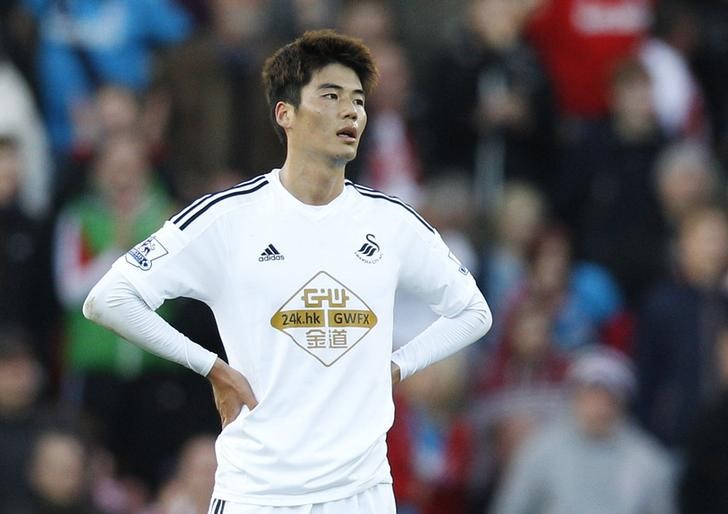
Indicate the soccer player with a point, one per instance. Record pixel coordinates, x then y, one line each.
300 267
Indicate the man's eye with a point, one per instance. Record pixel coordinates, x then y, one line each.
359 101
332 96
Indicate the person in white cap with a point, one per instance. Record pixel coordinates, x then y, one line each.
595 460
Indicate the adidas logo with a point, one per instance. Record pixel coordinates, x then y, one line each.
271 254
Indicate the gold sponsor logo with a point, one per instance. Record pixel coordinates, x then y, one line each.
298 318
325 318
352 318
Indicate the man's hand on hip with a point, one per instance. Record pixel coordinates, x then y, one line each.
231 391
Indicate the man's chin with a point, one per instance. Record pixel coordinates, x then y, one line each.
346 156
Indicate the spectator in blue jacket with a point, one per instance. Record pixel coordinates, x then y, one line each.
86 43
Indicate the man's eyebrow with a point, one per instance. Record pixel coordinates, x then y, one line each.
329 85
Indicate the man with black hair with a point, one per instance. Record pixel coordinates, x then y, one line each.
300 268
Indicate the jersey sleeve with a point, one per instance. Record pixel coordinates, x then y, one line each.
172 263
432 273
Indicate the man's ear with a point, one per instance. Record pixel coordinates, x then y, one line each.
284 113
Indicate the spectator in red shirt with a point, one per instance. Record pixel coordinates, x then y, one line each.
580 41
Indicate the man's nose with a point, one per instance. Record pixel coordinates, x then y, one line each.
349 110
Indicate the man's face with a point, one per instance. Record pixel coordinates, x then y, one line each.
704 250
121 173
331 117
57 471
683 186
20 379
597 410
632 99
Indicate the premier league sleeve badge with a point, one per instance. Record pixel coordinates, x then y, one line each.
142 255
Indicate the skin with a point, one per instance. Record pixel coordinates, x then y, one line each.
704 251
317 154
19 383
57 469
597 410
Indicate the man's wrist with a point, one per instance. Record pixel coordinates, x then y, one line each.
206 370
218 371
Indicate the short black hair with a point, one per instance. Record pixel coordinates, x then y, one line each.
290 68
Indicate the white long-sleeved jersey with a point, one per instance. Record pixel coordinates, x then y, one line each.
303 298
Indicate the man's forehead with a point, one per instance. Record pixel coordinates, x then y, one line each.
335 74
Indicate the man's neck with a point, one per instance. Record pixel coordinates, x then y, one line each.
313 183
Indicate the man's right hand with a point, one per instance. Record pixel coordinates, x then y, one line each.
231 391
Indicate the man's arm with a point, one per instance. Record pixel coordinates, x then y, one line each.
444 337
115 304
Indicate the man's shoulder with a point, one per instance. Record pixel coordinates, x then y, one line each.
389 207
212 207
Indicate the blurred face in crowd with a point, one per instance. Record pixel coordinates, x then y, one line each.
121 172
237 21
117 109
703 246
312 14
550 266
684 184
57 470
330 119
394 79
520 216
597 410
370 20
20 380
496 22
9 173
531 335
632 106
634 97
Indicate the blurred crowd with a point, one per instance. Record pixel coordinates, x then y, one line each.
572 153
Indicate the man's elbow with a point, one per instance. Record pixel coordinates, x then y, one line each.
95 303
486 319
96 306
89 309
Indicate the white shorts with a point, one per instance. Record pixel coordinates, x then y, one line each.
375 500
